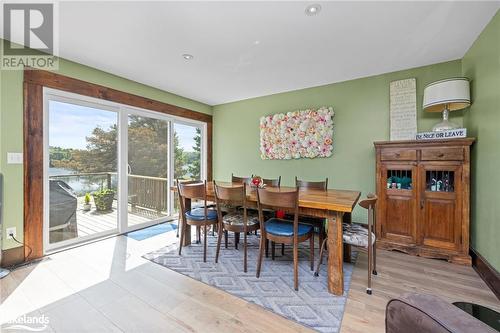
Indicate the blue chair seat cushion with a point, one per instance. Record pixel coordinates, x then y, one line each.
198 214
284 228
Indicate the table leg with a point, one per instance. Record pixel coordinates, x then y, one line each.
347 248
335 254
187 237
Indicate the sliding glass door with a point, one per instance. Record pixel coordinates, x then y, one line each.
81 185
187 145
109 167
148 170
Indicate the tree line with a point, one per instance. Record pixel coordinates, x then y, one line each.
147 151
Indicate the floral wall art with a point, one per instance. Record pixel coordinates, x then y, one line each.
298 134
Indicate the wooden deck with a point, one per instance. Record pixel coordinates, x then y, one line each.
92 222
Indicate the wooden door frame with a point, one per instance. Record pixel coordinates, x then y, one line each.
34 82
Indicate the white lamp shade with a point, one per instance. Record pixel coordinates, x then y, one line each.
454 93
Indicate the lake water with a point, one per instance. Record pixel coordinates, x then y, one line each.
82 184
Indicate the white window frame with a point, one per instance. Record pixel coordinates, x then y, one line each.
123 111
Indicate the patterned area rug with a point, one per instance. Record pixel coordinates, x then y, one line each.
312 305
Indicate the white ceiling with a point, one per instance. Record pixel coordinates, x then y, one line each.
248 49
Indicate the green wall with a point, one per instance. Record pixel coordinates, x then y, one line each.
11 127
481 64
361 117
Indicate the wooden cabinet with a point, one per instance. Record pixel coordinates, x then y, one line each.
423 190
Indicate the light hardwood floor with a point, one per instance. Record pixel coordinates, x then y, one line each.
399 273
107 285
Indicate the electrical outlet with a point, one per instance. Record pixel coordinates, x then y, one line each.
11 231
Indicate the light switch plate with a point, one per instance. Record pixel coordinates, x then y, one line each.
14 158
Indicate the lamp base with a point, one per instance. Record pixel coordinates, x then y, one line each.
445 124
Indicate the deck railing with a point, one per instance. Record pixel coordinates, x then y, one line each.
148 192
143 191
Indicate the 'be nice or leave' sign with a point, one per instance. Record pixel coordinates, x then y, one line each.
448 134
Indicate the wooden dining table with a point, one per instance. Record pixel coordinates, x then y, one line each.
335 206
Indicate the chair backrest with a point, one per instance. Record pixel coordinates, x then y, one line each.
307 185
193 181
288 201
369 203
191 190
232 196
240 180
272 182
187 182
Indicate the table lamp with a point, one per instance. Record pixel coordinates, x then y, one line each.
445 96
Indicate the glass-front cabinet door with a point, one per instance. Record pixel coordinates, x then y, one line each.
440 200
399 184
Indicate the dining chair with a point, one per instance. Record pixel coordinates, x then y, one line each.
272 182
239 180
281 230
360 237
237 220
316 185
193 205
314 221
199 217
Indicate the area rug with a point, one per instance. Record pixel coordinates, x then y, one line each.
151 231
312 305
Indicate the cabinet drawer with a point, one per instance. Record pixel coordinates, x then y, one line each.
442 154
398 154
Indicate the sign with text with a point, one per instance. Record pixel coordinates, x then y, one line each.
403 109
441 135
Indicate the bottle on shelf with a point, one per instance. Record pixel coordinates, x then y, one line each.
433 184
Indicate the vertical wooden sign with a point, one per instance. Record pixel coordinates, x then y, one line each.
403 109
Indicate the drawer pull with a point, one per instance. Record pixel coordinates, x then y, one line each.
397 155
441 155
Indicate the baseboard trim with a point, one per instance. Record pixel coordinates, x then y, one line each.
489 274
12 256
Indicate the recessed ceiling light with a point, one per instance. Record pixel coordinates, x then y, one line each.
188 56
313 9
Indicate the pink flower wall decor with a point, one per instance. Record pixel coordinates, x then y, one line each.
298 134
